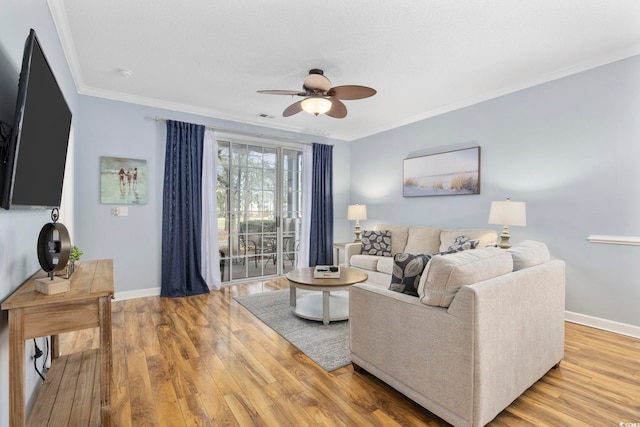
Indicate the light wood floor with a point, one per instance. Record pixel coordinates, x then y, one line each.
205 360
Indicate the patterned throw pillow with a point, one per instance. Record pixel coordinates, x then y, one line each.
462 243
407 269
376 243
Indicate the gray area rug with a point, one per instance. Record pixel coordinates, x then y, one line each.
328 345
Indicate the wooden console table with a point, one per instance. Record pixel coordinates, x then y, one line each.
69 395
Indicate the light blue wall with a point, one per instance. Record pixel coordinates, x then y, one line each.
110 128
19 230
569 148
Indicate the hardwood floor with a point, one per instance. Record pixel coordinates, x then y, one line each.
207 361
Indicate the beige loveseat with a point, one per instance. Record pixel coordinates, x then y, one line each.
415 240
486 325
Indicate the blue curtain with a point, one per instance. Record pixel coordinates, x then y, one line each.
321 230
182 211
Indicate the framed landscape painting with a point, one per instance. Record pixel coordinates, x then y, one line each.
442 174
123 181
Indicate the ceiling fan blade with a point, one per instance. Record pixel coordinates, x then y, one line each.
338 109
282 92
351 92
292 109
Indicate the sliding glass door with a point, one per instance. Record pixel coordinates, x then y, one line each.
259 209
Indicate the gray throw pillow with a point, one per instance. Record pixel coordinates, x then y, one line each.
376 243
463 243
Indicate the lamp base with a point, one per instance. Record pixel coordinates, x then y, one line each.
504 238
358 233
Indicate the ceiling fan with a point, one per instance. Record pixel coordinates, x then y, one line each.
320 97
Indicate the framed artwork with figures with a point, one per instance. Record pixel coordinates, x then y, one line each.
123 181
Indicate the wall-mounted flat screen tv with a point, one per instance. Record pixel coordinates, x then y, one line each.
35 156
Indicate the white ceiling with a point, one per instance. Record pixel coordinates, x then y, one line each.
424 57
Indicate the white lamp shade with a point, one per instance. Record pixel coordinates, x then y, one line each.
508 213
316 105
357 212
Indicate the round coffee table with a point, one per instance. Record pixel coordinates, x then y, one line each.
331 305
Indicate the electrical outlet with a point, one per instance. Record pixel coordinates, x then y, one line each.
120 211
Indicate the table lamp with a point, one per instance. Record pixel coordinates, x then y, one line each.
507 213
357 212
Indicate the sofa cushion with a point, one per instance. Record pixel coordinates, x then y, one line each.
407 269
385 265
423 240
528 254
399 234
484 237
366 262
447 274
462 243
376 243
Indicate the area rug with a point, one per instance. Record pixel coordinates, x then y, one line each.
327 345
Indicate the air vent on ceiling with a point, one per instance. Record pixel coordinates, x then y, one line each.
265 116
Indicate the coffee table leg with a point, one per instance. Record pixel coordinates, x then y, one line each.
292 295
325 307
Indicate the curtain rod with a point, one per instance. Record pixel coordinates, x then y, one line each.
246 133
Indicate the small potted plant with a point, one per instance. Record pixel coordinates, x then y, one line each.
74 255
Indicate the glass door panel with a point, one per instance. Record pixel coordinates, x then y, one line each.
226 245
291 207
259 197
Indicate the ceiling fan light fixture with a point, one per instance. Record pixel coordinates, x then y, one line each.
320 97
316 105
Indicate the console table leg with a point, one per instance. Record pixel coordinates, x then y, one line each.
106 363
55 347
16 369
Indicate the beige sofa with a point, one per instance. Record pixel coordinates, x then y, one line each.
415 240
486 325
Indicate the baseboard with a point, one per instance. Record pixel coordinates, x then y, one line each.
604 324
139 293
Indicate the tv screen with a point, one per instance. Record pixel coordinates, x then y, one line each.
35 158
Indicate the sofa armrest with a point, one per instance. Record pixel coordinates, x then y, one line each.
420 350
351 249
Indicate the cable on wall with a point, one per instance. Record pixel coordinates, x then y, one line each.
38 354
